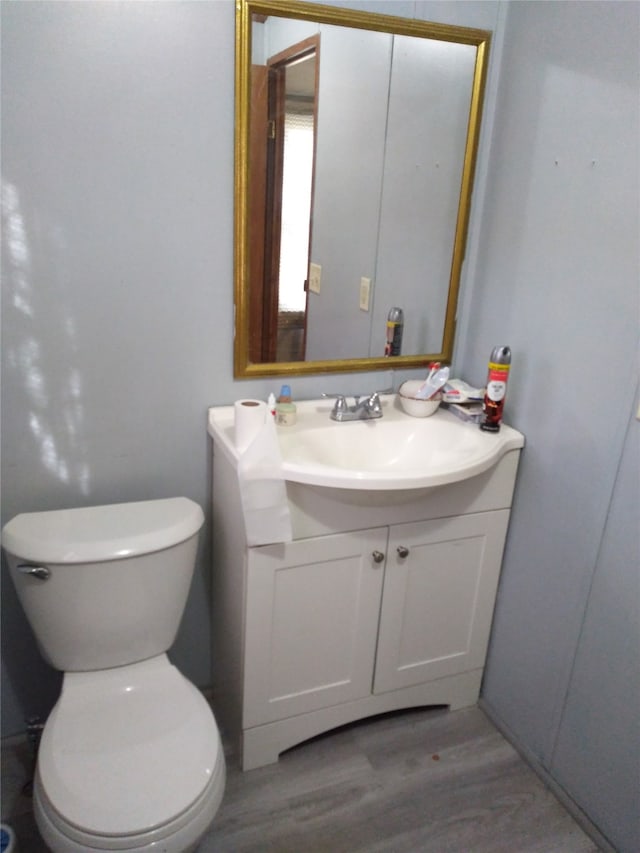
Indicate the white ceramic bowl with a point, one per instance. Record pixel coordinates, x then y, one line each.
412 406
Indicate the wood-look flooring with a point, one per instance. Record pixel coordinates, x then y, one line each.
422 781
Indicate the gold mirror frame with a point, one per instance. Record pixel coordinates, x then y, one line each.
245 9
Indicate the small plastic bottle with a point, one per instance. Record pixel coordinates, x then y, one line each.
497 377
285 409
271 405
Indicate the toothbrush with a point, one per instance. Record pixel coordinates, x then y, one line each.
433 383
433 367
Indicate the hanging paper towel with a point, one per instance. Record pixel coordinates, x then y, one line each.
262 487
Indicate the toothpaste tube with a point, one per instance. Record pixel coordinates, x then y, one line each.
458 391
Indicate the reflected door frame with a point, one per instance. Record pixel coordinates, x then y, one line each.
266 154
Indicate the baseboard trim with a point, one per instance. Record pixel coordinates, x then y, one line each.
543 774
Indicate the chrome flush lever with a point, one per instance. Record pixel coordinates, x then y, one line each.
40 572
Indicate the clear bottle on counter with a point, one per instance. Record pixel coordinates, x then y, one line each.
286 414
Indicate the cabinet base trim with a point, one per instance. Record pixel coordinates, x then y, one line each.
262 745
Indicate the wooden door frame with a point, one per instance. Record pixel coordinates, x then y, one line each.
275 165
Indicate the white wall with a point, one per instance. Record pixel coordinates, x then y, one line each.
557 279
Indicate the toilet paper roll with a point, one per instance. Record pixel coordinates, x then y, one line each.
250 416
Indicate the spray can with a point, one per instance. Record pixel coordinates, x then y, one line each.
395 327
497 377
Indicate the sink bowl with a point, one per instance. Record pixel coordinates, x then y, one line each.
393 452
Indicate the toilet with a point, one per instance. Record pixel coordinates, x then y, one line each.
130 757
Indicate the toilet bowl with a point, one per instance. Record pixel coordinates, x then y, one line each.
130 757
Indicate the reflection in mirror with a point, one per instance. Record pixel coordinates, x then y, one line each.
282 123
355 151
297 132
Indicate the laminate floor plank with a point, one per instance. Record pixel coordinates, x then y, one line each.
421 781
425 781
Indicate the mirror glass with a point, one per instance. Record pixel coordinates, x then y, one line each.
356 137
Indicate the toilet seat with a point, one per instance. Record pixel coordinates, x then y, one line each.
128 754
181 835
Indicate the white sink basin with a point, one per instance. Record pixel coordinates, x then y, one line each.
393 452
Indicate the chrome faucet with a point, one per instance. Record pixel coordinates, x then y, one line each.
363 409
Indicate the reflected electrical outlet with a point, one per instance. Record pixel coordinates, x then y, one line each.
315 272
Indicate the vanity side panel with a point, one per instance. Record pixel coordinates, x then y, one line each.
228 595
317 511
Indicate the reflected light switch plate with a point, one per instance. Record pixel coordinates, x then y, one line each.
365 290
315 272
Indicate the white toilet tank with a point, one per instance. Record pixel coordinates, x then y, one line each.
118 579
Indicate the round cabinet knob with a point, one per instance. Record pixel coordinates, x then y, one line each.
378 557
403 551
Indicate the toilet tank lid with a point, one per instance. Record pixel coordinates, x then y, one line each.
100 533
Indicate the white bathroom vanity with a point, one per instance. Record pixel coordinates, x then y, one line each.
383 600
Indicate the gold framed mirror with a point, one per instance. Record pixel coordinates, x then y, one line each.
355 150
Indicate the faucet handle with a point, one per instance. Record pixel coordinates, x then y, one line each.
373 404
340 405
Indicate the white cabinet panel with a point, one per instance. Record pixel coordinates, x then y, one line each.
312 621
438 600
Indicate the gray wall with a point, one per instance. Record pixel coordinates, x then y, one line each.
117 286
117 178
117 312
368 205
346 209
387 187
557 279
596 751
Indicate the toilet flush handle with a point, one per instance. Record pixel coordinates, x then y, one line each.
40 572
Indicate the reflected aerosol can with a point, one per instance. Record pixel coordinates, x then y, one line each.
493 406
395 327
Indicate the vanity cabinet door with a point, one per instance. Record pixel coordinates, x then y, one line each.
311 623
440 584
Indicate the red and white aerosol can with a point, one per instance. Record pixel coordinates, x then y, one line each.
499 365
395 326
